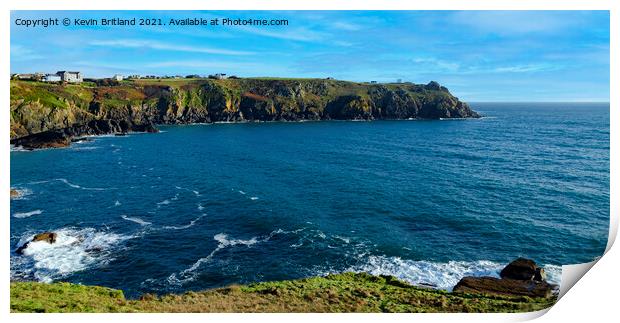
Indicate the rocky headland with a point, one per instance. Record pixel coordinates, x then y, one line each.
51 115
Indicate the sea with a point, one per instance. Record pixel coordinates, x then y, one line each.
208 205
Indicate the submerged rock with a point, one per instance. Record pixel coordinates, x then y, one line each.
49 237
15 193
521 277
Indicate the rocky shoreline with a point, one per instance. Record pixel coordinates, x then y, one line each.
520 278
64 137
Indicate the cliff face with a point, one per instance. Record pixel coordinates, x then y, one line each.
39 107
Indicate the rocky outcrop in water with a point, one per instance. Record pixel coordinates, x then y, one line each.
54 113
63 137
522 277
49 237
523 269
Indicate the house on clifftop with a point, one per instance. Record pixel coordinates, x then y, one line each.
70 77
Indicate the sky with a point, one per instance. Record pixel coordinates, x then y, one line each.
478 55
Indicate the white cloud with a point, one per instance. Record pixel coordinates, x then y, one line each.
138 43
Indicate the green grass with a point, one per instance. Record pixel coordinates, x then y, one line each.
346 292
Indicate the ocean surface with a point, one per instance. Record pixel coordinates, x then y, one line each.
203 206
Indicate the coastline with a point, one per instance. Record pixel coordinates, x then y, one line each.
51 115
23 144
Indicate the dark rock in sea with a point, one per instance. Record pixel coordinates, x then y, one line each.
63 137
521 269
521 277
49 237
503 286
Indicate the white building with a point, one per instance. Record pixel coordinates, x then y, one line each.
118 77
218 76
71 77
51 78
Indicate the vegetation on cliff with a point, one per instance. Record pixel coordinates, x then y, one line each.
38 107
348 292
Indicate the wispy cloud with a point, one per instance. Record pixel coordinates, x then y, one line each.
524 68
298 34
343 25
513 22
21 53
437 64
203 64
139 43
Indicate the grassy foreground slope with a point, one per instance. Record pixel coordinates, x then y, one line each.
348 292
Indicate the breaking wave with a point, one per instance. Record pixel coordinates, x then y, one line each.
440 275
74 250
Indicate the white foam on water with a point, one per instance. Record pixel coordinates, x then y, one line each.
135 220
164 202
241 192
80 187
17 148
440 275
84 148
200 207
74 250
181 227
27 214
65 181
343 239
187 189
224 241
554 274
117 203
254 198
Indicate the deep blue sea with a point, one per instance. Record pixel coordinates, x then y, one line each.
203 206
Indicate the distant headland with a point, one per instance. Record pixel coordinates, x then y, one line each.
51 110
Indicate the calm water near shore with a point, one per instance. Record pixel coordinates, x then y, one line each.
203 206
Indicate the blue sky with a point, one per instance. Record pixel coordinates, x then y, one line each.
478 55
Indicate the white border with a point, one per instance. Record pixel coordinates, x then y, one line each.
593 299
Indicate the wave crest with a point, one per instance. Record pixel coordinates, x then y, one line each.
74 250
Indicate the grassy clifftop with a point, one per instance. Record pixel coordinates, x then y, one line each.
346 292
38 107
